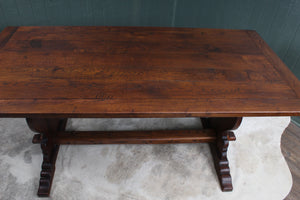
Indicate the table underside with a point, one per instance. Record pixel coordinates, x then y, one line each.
51 134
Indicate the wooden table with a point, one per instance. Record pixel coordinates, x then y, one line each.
49 74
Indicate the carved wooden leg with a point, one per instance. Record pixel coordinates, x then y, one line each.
222 126
48 129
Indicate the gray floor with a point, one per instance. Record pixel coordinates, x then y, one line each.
179 171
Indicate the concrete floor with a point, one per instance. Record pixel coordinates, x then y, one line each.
144 172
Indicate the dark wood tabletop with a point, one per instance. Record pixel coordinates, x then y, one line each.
142 72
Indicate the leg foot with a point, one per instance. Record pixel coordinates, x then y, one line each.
219 152
219 148
48 129
47 172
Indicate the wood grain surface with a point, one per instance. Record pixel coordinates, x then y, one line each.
142 72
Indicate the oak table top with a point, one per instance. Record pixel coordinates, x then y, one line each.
142 72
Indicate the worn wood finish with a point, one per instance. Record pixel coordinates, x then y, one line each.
48 129
222 126
277 22
142 72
